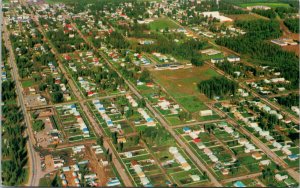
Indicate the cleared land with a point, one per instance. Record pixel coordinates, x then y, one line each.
162 23
182 85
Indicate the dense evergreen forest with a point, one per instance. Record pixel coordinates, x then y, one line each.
218 86
266 13
284 12
262 51
14 153
292 24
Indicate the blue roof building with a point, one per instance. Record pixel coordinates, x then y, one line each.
239 184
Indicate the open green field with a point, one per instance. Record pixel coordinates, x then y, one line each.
272 5
182 85
162 23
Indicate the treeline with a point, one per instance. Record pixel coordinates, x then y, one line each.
252 44
292 24
270 13
218 86
14 152
289 101
188 49
230 68
263 29
228 8
284 12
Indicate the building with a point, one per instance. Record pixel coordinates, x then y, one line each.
261 7
216 14
239 184
257 155
206 113
233 58
217 60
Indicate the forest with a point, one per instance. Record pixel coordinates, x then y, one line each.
218 86
292 24
263 52
284 12
14 152
266 13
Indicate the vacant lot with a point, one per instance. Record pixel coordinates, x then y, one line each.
273 5
162 23
182 85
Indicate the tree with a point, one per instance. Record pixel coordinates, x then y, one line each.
100 141
114 136
38 125
57 97
145 76
196 62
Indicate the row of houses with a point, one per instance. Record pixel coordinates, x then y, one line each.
179 158
149 121
139 171
101 109
72 109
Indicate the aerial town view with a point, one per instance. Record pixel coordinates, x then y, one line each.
150 93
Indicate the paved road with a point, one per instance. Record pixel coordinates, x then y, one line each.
75 101
250 176
296 91
91 119
264 148
255 94
34 159
157 115
271 104
198 123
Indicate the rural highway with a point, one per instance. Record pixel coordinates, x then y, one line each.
81 101
34 159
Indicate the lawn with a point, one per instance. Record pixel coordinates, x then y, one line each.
27 83
162 23
272 5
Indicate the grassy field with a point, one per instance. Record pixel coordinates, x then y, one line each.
272 5
162 23
182 85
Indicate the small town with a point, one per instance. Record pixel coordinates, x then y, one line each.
150 93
